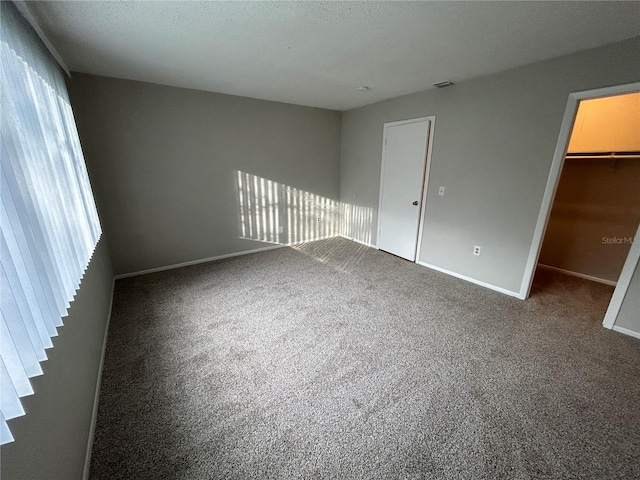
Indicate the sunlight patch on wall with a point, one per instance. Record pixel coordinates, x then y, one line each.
281 214
356 222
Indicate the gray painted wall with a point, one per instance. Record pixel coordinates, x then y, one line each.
51 439
629 314
595 200
164 162
493 146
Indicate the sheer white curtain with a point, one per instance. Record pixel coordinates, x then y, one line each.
49 222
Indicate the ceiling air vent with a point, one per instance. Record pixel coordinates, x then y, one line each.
446 83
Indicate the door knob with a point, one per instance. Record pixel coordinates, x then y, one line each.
415 203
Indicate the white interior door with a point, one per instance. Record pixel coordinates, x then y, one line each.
402 180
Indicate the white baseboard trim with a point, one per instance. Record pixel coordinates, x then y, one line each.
228 255
96 398
366 244
317 239
576 274
472 280
196 262
626 331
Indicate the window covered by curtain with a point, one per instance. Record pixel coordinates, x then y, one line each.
49 222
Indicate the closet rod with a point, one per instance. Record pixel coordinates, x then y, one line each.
602 156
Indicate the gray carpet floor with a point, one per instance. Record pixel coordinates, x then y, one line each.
334 360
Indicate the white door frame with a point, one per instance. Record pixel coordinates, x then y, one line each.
425 176
550 192
623 284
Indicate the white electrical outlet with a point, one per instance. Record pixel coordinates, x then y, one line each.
476 250
280 229
441 191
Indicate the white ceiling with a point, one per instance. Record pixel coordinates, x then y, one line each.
316 53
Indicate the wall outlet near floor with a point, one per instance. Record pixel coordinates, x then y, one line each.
476 250
441 191
280 229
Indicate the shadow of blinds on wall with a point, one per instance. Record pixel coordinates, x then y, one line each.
49 223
